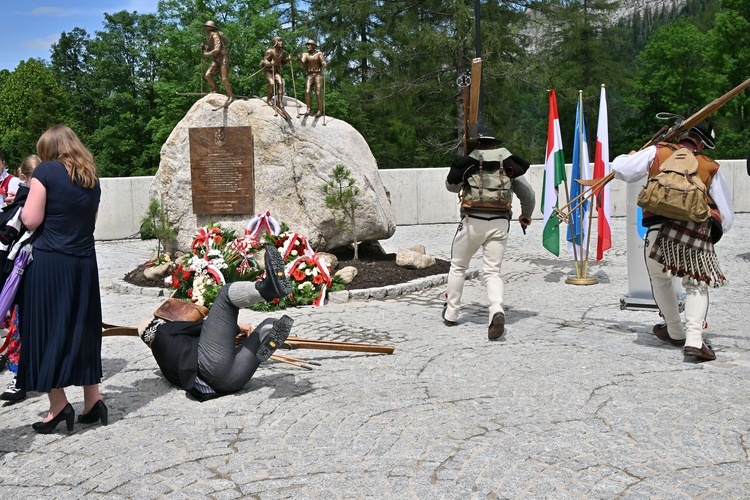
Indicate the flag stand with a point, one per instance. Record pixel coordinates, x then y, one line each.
582 260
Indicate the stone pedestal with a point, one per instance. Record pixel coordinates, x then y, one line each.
292 161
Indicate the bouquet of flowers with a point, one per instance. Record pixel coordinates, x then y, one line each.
217 257
309 275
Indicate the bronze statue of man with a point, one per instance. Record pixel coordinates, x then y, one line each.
272 61
216 46
314 62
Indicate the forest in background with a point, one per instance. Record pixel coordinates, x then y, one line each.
392 70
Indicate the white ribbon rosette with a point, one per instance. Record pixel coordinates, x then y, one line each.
261 224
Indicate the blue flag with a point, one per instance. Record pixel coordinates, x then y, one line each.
581 169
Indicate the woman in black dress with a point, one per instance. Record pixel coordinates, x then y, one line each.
60 316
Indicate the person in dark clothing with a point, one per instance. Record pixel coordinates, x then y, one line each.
60 315
13 235
201 356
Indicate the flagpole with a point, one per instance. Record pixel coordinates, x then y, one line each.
584 260
601 168
582 277
572 229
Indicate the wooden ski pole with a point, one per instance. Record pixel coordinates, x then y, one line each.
280 359
298 360
594 186
112 330
299 343
324 96
307 364
294 85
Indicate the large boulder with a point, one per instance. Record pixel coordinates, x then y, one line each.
292 161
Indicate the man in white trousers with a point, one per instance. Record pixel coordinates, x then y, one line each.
485 221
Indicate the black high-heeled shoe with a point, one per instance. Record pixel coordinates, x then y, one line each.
97 412
66 414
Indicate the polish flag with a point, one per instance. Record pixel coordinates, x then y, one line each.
602 169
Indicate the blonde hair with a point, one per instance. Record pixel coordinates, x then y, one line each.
27 166
61 143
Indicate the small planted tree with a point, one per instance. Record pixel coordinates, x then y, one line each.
341 197
155 224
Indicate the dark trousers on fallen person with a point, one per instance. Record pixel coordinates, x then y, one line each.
223 365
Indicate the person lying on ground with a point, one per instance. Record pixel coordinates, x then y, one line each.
201 356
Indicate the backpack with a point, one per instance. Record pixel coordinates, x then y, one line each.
488 190
676 191
224 41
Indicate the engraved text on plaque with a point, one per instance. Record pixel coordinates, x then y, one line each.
221 169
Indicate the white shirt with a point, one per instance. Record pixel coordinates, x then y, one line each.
631 168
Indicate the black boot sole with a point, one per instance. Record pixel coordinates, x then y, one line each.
275 338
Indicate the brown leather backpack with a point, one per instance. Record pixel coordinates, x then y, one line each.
676 191
179 310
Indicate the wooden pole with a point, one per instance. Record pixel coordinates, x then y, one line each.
281 359
295 342
297 360
327 345
476 88
294 85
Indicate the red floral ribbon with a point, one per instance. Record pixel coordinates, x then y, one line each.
323 277
296 241
205 237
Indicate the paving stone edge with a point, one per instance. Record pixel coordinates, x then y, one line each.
122 286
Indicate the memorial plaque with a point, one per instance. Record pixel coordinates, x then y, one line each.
221 170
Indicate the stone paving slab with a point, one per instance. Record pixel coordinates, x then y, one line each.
578 400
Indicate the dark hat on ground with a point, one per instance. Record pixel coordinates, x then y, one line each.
210 24
705 132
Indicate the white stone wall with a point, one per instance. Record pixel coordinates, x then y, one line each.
418 196
124 203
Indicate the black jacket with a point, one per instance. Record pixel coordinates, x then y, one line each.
175 348
464 166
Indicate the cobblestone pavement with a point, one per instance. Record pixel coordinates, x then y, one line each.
578 400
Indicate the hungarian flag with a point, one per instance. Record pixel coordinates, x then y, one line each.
554 175
601 169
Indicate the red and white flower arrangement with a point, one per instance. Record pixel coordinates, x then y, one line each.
218 257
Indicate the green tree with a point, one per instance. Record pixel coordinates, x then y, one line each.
155 224
341 197
70 63
124 69
729 52
673 75
31 101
